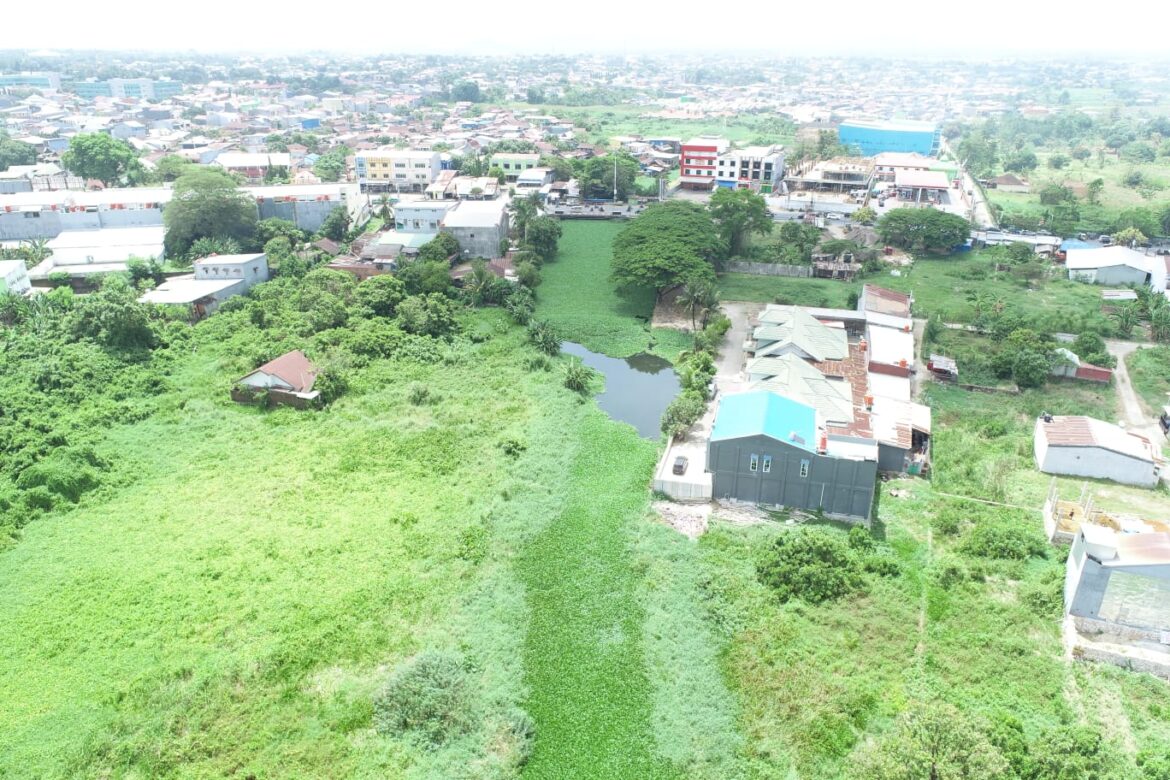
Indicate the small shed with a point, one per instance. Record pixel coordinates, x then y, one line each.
287 380
943 368
1078 446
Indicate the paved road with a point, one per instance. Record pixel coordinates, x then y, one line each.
729 366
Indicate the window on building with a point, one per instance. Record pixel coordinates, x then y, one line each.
803 469
754 465
767 464
32 215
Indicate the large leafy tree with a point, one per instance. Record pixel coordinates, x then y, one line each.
667 245
541 237
923 229
597 177
103 157
739 213
15 153
207 204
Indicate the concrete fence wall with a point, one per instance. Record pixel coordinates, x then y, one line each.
772 269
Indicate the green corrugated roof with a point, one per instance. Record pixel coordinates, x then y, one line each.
789 325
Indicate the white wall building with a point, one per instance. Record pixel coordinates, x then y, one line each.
759 168
1114 265
1077 446
410 170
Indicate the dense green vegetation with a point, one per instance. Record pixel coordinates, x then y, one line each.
964 288
451 570
578 297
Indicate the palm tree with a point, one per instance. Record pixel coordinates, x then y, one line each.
1127 316
384 210
699 295
522 210
1160 323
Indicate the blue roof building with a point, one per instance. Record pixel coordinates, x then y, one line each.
874 137
769 449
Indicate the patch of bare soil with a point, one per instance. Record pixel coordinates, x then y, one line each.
688 519
670 313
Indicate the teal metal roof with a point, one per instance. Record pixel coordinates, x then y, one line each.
762 413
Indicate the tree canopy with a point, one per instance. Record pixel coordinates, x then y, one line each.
103 157
739 213
667 245
15 153
923 229
207 204
597 177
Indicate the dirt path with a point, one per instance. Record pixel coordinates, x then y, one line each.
1134 414
920 371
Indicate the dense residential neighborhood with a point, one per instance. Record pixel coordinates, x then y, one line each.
590 415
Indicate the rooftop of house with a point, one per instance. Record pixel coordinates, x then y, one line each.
782 326
253 160
1105 256
792 377
903 160
896 125
1080 431
186 289
475 213
292 368
879 300
922 180
764 413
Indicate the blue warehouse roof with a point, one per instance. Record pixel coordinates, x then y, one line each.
767 414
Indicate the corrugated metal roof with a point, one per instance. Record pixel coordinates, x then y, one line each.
1078 431
762 413
791 326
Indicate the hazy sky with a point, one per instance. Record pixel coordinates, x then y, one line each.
897 28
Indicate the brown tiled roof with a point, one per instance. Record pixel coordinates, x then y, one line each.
293 368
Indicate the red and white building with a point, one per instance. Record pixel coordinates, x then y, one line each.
698 161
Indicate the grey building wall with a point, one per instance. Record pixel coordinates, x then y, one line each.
836 485
891 458
307 215
479 241
1096 463
16 225
9 186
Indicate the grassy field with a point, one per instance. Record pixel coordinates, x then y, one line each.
236 603
1115 197
941 288
1149 371
604 123
578 297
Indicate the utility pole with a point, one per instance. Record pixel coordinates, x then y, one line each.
615 178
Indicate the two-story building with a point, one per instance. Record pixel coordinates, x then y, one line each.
215 279
514 163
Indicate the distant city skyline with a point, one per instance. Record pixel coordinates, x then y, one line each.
992 29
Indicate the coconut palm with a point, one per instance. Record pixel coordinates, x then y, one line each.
522 210
1127 317
699 295
384 210
1160 323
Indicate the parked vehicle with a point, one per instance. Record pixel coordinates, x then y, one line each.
680 465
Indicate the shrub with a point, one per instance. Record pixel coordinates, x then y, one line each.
1073 751
428 696
577 376
948 571
1003 540
813 564
1045 594
512 447
682 413
418 393
544 337
332 384
538 363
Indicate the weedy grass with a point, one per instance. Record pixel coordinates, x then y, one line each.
1149 372
578 297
